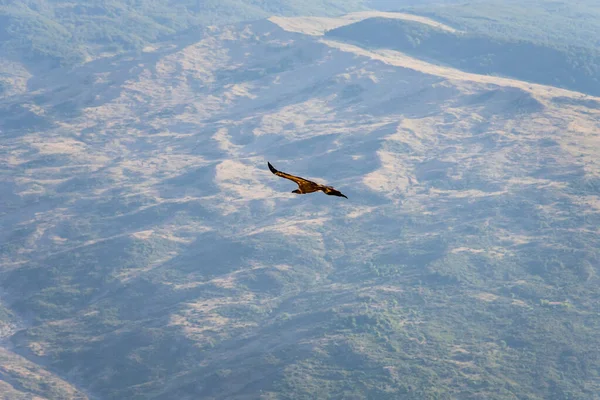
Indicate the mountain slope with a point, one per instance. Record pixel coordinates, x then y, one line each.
559 23
150 253
48 33
574 68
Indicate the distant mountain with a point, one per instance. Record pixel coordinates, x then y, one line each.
571 68
146 251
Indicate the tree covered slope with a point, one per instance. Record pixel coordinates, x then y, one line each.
575 68
59 32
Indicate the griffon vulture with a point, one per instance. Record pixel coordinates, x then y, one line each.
304 185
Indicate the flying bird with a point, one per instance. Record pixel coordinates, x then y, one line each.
306 186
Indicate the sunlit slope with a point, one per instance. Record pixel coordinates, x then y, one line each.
149 253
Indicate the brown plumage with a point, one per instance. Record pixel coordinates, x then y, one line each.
304 185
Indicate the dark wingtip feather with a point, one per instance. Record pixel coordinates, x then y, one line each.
273 170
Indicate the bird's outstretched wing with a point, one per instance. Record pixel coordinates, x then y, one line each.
297 179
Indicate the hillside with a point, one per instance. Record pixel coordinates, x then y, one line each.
557 23
148 253
574 68
49 33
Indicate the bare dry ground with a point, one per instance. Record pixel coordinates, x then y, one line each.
22 379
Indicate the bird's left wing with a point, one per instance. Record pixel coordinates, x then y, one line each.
297 179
